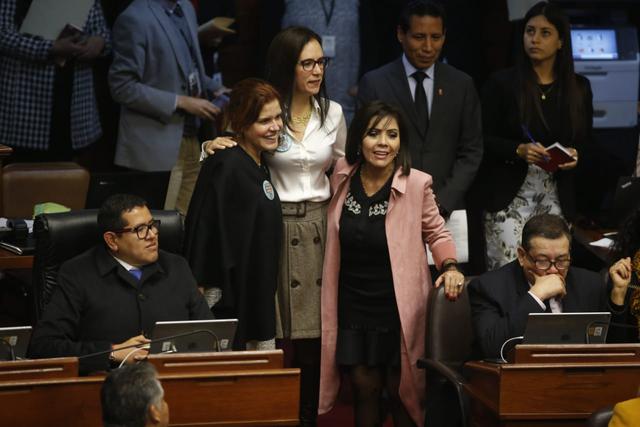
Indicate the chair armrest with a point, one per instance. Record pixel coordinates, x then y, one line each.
456 380
434 365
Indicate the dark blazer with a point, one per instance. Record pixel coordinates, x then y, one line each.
98 303
501 303
451 150
502 171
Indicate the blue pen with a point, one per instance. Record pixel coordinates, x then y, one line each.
533 141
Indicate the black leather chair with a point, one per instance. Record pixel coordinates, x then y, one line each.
62 236
601 417
449 338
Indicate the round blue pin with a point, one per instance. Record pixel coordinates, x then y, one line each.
285 144
268 190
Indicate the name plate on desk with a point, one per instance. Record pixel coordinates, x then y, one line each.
576 353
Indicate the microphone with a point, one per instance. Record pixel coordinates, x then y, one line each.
167 338
12 352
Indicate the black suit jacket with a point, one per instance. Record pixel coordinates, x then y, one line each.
98 303
501 303
451 150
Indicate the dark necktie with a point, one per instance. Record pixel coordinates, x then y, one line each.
420 99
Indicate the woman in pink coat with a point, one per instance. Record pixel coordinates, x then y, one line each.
376 278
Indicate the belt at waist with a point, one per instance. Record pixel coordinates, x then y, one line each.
300 208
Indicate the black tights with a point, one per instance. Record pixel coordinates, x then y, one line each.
368 383
306 356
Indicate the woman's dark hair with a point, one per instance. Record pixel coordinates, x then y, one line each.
569 95
377 111
247 99
282 59
628 239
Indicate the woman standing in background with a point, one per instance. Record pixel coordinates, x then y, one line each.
526 109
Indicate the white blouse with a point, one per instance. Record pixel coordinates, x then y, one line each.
298 169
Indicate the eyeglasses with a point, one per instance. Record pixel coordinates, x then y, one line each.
308 64
545 264
142 230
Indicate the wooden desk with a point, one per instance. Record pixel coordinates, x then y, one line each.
567 384
11 261
584 237
197 388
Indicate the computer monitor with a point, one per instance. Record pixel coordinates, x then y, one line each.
567 328
16 341
594 43
193 336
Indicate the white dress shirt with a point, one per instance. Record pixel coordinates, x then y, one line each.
299 173
426 83
554 303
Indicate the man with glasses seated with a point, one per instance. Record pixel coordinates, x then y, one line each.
110 296
540 280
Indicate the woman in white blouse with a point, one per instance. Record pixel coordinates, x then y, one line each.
314 138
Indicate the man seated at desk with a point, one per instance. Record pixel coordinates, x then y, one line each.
540 280
110 296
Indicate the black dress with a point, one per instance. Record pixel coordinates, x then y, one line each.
368 320
233 232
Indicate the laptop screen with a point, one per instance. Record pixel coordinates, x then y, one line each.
567 328
16 341
193 336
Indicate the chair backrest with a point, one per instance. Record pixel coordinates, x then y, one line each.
601 417
62 236
26 184
449 335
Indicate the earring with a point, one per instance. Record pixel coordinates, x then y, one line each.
358 152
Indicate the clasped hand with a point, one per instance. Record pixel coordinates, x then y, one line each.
549 286
120 352
78 47
535 152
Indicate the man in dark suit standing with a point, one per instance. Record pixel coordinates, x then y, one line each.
540 280
441 103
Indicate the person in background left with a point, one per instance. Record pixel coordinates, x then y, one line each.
48 108
376 279
132 396
158 78
111 295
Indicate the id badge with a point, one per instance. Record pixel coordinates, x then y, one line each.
329 46
194 84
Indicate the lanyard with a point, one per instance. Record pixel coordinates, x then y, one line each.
328 14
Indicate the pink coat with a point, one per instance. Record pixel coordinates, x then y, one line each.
412 220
